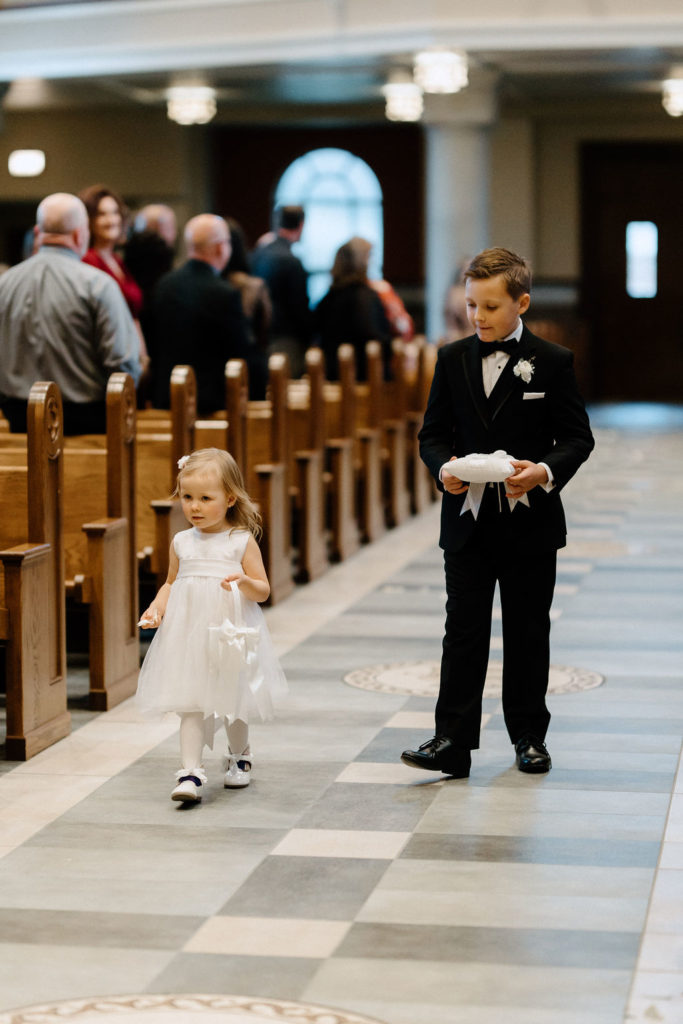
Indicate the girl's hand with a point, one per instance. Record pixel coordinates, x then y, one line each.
237 577
151 618
252 581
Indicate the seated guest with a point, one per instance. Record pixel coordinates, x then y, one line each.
198 319
352 311
62 320
107 213
256 302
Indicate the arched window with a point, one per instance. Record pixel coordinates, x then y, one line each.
342 198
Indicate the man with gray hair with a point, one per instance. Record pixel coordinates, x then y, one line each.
198 319
65 321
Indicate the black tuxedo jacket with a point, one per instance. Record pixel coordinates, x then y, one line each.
198 320
543 420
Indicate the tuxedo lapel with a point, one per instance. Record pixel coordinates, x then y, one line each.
471 362
507 383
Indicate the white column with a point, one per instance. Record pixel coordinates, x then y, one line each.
457 188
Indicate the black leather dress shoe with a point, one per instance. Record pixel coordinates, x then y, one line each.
532 755
440 755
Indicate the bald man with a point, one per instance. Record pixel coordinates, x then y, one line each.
198 319
63 320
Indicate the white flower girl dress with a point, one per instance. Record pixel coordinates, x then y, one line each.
187 667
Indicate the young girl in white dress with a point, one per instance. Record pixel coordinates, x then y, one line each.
215 573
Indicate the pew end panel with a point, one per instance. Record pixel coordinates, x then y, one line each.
32 612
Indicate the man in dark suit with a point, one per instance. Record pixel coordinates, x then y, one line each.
500 389
198 319
291 324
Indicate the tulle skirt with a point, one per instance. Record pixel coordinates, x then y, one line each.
185 668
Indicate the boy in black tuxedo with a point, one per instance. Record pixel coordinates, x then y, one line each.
500 389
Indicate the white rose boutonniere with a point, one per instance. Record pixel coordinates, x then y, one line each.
524 369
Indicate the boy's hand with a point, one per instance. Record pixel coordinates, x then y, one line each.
527 475
451 483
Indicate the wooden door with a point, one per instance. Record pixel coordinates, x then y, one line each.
636 342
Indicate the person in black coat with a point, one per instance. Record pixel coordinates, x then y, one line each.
287 281
352 311
501 389
198 320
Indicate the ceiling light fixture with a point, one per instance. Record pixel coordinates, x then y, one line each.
404 101
191 104
441 71
672 96
26 163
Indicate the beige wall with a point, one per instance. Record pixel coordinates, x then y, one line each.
534 165
540 216
144 156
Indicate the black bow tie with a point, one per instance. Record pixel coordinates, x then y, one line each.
487 348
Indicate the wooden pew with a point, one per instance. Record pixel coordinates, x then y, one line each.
306 402
383 404
306 430
162 439
32 606
267 474
256 434
342 421
412 361
100 545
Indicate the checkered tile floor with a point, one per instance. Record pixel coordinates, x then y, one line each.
342 879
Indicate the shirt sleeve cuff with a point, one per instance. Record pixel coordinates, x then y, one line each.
550 484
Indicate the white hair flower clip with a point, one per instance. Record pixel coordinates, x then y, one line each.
182 461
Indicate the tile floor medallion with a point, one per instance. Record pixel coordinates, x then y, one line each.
421 678
182 1009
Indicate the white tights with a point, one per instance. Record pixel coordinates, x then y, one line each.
192 736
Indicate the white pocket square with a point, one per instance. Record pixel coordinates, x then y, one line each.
533 394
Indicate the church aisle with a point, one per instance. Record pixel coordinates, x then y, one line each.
342 879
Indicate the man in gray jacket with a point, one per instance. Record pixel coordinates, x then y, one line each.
65 321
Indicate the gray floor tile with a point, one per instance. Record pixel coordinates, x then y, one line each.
541 850
329 888
377 807
527 946
277 977
74 928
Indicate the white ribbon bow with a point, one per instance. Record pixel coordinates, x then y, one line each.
476 492
233 650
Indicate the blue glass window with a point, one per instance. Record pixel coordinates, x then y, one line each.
342 198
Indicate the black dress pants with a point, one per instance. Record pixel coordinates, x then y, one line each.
526 580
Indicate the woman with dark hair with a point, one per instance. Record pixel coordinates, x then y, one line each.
107 215
256 304
352 311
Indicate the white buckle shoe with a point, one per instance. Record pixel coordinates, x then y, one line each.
238 769
190 785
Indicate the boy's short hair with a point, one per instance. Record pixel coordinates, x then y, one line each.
513 268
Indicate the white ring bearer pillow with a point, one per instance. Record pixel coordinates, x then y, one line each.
481 469
478 469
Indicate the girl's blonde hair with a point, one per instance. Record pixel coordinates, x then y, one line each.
243 513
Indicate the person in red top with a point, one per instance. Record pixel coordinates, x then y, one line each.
106 214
